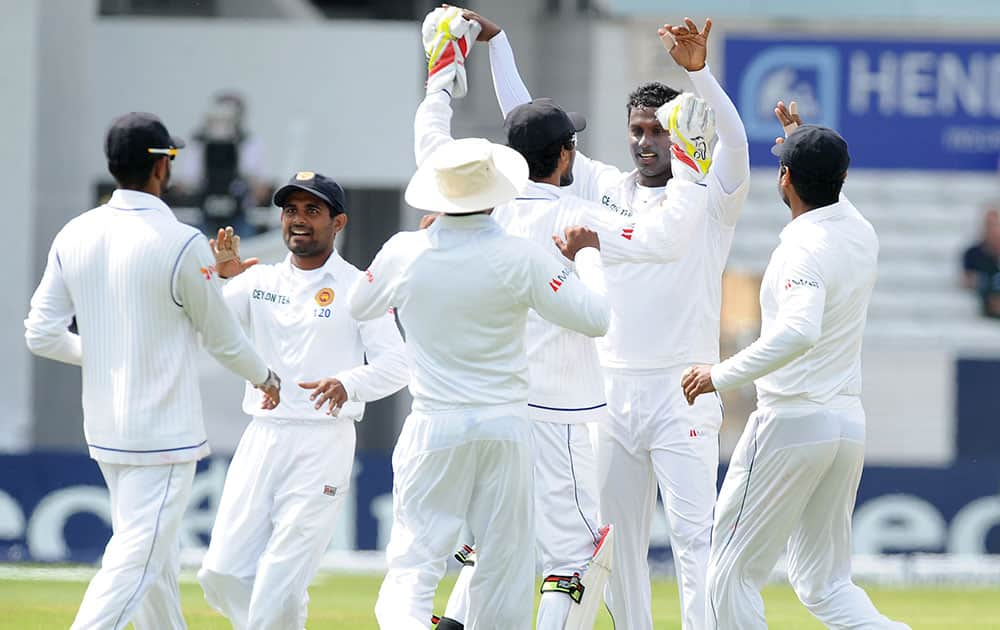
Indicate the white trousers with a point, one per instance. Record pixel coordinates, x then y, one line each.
654 438
284 489
565 517
450 470
792 482
137 581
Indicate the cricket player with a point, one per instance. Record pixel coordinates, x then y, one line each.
291 472
663 317
794 475
462 289
566 390
142 287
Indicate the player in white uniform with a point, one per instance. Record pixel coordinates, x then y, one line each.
566 389
462 289
291 472
664 316
794 475
142 287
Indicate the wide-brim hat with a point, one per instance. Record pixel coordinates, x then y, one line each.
466 176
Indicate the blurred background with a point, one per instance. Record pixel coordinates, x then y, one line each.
263 88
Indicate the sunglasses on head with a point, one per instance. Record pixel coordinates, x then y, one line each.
171 152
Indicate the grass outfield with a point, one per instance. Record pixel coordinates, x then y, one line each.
345 601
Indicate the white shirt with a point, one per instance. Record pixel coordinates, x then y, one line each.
299 321
663 315
813 305
564 370
462 290
142 287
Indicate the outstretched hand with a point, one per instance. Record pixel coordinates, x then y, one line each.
788 117
686 44
226 249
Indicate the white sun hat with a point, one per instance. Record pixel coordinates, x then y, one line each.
466 176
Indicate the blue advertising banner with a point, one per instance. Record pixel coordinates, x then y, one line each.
900 104
54 508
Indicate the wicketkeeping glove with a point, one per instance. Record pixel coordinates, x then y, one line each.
448 39
692 130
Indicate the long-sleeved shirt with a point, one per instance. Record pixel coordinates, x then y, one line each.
813 304
299 321
565 378
663 315
142 287
462 290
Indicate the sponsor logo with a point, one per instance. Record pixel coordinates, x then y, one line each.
330 491
324 297
208 272
627 233
557 282
607 202
369 275
267 296
800 282
694 433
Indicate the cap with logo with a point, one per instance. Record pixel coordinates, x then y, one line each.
138 137
540 123
819 153
314 183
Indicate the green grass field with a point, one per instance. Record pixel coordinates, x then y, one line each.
346 601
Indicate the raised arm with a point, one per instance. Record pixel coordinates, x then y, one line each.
46 330
386 371
731 158
372 294
448 38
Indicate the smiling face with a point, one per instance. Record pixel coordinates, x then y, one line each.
308 228
649 145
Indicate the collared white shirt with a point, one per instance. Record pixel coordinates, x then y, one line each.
813 303
142 286
462 290
299 321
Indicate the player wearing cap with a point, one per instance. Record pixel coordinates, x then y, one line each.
793 478
566 390
664 316
142 288
291 472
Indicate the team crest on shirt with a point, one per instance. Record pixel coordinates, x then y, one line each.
324 297
330 491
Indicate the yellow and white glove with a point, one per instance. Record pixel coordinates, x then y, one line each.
448 39
691 123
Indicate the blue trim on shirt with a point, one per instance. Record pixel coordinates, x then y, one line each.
58 260
567 409
130 209
173 272
158 450
535 198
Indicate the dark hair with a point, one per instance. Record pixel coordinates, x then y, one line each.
816 192
543 162
653 94
133 174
